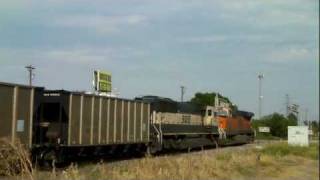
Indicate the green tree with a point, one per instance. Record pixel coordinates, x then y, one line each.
204 99
208 99
293 120
278 125
315 127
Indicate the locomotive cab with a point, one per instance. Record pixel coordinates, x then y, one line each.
208 116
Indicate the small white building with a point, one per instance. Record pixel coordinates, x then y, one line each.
298 135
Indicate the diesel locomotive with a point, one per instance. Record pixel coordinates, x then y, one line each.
57 124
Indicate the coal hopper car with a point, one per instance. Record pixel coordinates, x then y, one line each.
71 123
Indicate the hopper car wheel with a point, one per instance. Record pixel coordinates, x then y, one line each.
216 144
49 159
152 148
215 141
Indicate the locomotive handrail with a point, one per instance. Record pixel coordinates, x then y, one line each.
159 131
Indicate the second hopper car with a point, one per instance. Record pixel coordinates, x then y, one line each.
70 123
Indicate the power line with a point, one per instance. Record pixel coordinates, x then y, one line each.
30 69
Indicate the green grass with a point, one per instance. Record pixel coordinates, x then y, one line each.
283 149
264 136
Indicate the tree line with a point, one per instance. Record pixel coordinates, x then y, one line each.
277 123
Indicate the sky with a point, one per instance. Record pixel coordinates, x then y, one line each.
154 47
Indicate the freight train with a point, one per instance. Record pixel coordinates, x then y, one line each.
57 124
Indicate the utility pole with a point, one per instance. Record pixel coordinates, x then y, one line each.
260 77
182 92
30 69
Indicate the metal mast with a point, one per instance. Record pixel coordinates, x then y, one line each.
182 92
260 77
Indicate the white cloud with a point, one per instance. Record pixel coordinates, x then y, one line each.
13 5
87 55
270 13
204 39
81 56
99 23
291 54
75 55
261 38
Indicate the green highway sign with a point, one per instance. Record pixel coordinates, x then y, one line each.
102 81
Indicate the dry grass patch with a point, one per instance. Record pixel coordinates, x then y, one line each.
226 163
14 159
246 163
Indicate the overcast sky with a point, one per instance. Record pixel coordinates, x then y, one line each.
154 46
